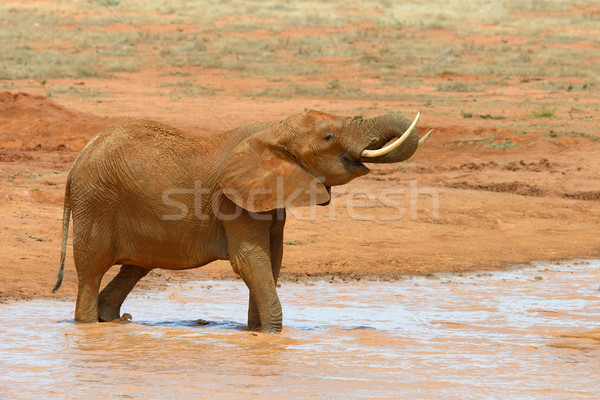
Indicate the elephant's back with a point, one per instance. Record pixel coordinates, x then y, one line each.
142 144
137 160
140 136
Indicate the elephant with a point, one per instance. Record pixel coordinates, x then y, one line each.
131 190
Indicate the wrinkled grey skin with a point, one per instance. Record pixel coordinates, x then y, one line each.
116 194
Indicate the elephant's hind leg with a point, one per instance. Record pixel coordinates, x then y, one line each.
114 294
86 309
91 265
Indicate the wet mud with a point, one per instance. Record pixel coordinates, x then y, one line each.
521 333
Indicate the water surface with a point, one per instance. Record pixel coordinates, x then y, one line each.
524 333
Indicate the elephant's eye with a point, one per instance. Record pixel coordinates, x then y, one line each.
329 137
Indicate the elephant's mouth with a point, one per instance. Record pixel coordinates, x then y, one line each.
354 163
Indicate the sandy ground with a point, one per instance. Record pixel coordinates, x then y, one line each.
495 186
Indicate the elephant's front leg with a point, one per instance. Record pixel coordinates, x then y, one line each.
250 253
276 249
254 265
253 315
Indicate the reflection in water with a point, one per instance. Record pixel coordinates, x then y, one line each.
525 333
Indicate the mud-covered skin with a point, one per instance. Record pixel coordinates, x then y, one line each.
145 195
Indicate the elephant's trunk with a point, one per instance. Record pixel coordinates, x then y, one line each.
381 130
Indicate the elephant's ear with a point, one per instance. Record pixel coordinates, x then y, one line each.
258 176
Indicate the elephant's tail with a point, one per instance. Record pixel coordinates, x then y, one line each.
65 233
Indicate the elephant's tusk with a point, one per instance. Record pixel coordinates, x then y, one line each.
424 138
392 146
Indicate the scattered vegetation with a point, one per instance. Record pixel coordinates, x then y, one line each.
501 145
543 113
332 89
454 86
75 91
267 38
593 138
472 139
482 116
189 89
176 73
36 238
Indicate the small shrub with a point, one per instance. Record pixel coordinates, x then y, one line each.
502 145
75 91
454 86
593 138
543 113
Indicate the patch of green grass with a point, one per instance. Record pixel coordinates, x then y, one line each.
543 113
501 145
35 175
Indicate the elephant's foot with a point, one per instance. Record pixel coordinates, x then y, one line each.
253 326
107 313
272 325
269 329
253 316
264 329
85 320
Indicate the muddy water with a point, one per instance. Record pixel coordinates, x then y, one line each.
526 333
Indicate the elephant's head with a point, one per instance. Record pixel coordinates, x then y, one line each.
295 162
